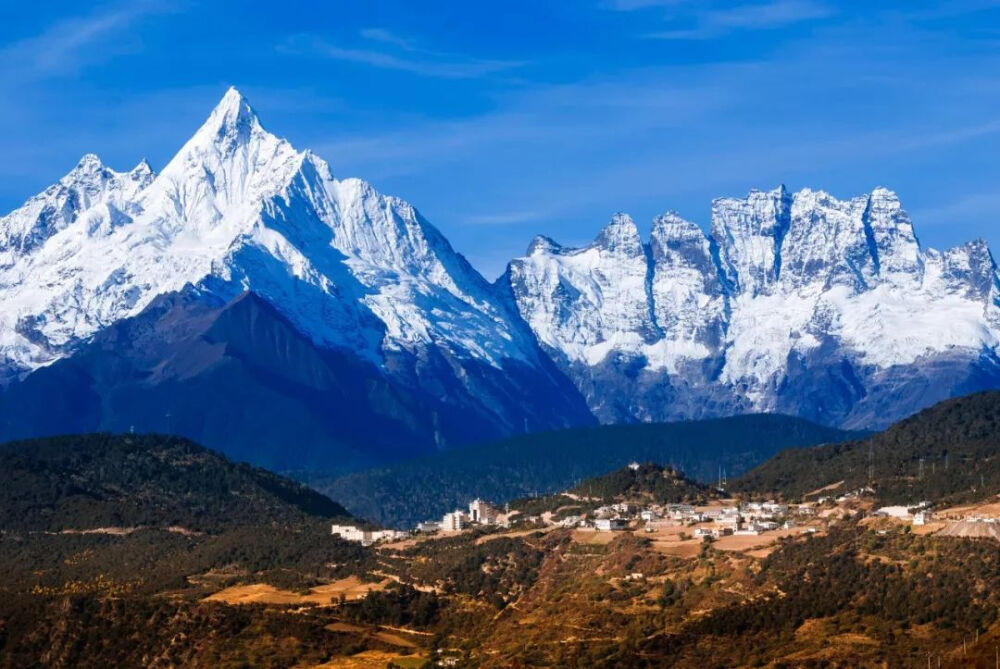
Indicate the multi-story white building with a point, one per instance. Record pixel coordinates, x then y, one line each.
483 513
454 521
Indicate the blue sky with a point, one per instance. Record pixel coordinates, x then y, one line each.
504 120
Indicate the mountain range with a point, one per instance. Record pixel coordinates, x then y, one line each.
795 303
246 297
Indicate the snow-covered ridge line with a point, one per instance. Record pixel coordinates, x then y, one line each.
240 209
794 302
782 282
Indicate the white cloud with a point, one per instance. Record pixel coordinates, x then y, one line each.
408 57
504 218
71 44
703 21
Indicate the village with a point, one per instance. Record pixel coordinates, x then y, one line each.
712 521
728 523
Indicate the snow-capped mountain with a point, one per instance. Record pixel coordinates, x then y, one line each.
240 210
798 303
248 298
89 186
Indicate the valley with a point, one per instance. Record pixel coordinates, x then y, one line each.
680 573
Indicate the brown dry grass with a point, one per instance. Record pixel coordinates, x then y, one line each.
593 537
826 488
746 542
683 549
988 509
322 595
370 659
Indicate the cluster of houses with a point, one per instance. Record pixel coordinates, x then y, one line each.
480 512
750 518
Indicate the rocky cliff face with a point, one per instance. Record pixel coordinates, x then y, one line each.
799 303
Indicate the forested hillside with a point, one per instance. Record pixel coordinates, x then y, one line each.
949 453
100 480
406 493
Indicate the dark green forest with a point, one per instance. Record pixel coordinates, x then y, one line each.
948 453
104 480
406 493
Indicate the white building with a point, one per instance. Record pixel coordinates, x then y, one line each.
900 512
348 532
454 521
483 513
365 537
610 524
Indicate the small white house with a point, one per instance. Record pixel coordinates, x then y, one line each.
365 537
899 512
610 524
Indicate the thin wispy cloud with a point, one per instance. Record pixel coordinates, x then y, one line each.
965 210
71 44
706 22
399 53
386 37
633 5
504 218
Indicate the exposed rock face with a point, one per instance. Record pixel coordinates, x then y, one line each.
799 303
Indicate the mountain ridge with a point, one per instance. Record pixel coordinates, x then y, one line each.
356 272
789 296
